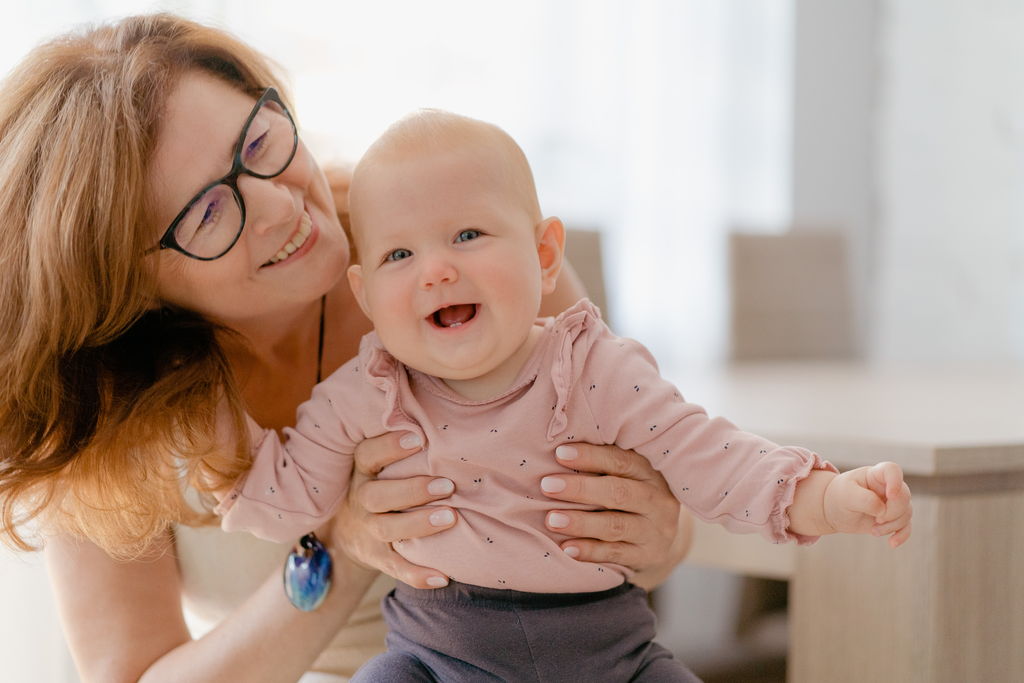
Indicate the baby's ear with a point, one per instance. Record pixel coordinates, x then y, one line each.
355 282
550 250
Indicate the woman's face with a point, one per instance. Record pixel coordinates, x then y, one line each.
201 127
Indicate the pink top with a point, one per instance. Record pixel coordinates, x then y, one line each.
582 383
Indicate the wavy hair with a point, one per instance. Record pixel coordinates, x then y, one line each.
107 400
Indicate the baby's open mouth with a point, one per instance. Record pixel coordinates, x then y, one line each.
453 316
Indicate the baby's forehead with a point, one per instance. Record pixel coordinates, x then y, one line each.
480 160
477 144
435 139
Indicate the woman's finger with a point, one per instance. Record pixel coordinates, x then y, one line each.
366 537
373 455
615 493
591 550
390 495
607 526
393 527
611 460
415 575
394 565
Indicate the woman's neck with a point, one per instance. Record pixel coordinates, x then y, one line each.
275 360
274 339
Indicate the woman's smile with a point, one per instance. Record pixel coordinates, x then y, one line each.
295 240
298 243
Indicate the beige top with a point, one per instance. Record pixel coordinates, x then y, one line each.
220 570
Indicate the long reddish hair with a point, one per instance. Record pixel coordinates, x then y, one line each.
107 403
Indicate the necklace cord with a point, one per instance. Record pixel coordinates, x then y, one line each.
320 341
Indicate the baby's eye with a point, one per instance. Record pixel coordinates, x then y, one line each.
398 255
467 235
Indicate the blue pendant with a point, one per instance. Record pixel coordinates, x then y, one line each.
307 573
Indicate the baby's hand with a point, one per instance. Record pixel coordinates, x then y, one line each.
872 500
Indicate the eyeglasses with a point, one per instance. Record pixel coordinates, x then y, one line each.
211 223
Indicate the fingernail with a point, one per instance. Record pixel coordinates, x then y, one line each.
566 453
440 487
437 582
557 520
552 484
571 551
410 440
441 518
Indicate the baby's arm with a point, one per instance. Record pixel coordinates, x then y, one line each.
732 477
865 500
295 486
721 473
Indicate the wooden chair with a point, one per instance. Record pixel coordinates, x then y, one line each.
583 251
790 296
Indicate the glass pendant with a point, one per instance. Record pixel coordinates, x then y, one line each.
307 573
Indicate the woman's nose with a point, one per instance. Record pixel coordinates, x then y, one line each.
269 202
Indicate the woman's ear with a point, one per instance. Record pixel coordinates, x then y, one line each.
550 251
355 282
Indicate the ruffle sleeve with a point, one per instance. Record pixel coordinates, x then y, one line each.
573 334
383 371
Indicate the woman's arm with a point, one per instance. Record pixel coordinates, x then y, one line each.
124 621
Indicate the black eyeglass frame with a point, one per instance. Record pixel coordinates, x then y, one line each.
168 240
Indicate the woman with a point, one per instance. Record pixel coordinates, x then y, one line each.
125 321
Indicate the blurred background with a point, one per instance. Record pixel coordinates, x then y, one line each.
893 128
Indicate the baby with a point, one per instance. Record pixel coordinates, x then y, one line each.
454 257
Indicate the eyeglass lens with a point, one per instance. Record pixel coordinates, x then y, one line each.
214 219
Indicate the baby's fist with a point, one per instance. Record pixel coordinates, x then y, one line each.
872 500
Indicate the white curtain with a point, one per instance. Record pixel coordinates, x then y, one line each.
662 123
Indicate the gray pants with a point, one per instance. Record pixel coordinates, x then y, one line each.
468 634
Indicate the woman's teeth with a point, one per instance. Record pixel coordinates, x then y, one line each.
297 240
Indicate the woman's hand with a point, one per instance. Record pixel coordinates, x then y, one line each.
643 528
375 512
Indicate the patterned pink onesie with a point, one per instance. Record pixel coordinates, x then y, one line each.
582 383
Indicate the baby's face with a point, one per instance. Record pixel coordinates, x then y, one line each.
450 272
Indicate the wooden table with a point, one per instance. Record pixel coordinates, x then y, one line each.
949 604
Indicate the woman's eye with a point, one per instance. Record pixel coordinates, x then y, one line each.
467 235
199 222
252 148
210 215
398 255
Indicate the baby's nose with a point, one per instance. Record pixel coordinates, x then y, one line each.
437 271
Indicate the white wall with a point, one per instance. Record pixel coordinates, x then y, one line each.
909 139
835 86
951 182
